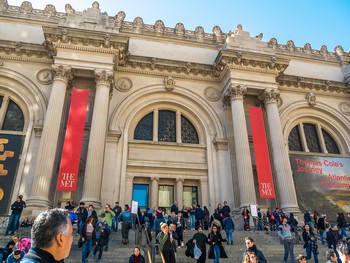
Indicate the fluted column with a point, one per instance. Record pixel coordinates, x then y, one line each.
180 192
40 189
281 163
97 140
154 191
243 158
205 194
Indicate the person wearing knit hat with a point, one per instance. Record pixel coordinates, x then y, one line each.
166 244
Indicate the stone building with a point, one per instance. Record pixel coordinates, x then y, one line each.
168 110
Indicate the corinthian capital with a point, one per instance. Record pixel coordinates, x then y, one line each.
60 72
103 77
270 96
237 92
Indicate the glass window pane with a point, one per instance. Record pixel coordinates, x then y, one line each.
166 196
312 139
167 126
331 145
294 142
188 131
14 119
190 195
144 129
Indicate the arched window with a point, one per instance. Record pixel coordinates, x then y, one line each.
167 124
315 136
13 118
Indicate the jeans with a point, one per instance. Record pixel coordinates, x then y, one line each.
323 240
216 254
109 240
229 234
288 249
343 232
308 253
13 223
100 249
86 249
192 221
80 225
260 226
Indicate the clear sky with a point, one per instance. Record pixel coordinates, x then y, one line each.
325 22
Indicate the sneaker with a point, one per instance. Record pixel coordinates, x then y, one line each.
179 247
182 244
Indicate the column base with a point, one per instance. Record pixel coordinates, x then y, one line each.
91 201
36 205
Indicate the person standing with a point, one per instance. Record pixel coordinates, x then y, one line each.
251 247
180 229
88 237
174 208
199 215
343 249
52 236
109 216
310 243
342 224
17 208
333 238
215 240
101 236
246 218
136 257
307 218
166 244
92 212
229 227
201 240
125 218
117 210
321 228
285 233
82 214
226 208
259 221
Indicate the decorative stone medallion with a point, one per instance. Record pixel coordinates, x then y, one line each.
123 84
169 83
44 76
344 107
212 94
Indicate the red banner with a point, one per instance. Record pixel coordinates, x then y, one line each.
261 152
69 168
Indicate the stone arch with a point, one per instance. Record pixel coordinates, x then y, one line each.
337 125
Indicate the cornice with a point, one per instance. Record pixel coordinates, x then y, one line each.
313 84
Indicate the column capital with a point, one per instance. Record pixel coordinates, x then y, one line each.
62 72
155 178
234 92
180 179
103 77
270 96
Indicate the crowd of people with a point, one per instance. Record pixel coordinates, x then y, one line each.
95 227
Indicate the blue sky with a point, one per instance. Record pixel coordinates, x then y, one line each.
325 22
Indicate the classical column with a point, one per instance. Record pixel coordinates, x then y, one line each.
204 194
243 158
281 163
180 192
44 170
128 188
154 192
97 140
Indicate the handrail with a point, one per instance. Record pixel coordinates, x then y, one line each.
4 220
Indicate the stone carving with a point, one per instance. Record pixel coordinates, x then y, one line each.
238 91
307 48
169 83
62 72
324 51
123 84
69 9
311 99
212 94
3 5
270 96
138 23
179 29
290 45
64 36
339 51
159 26
119 18
260 36
26 7
344 107
107 42
273 43
199 32
103 77
217 33
50 10
95 5
44 76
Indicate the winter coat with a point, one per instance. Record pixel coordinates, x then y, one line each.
216 240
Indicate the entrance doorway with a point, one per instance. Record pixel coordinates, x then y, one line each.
166 196
140 194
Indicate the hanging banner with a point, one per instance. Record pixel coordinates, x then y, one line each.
322 183
69 168
10 149
261 152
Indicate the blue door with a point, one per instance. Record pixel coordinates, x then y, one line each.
140 194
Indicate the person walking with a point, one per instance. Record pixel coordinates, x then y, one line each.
285 233
166 244
136 257
333 238
125 217
310 243
201 240
82 214
251 247
229 227
17 208
342 224
88 238
216 250
101 236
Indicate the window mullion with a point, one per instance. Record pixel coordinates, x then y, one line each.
303 138
320 137
3 110
178 127
155 125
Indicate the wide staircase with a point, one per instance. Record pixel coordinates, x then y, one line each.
268 242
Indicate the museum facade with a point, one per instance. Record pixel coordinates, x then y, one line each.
167 113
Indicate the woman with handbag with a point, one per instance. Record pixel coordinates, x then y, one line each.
215 240
87 238
310 243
